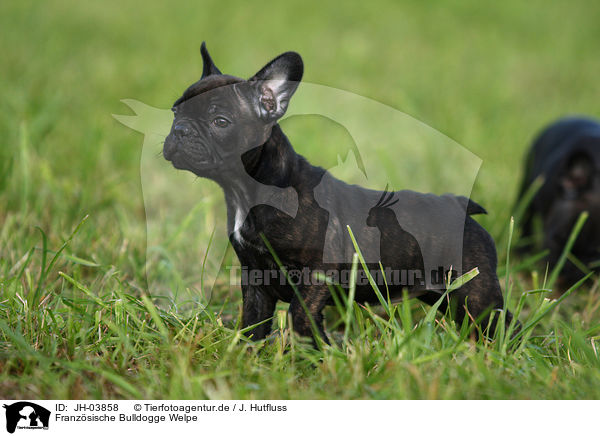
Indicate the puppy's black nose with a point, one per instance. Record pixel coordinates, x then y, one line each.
169 147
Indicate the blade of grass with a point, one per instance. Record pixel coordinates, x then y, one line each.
382 300
46 269
563 257
351 293
543 313
83 289
160 325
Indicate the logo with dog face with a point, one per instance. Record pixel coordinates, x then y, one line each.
25 415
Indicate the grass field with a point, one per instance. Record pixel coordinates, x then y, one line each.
76 318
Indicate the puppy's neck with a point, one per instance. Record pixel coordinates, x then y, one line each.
263 175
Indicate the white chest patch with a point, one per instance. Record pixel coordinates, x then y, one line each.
237 226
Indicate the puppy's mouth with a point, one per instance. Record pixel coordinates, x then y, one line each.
178 153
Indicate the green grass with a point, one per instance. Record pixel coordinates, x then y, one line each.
76 320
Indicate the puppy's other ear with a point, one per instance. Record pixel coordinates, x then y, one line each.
276 83
208 66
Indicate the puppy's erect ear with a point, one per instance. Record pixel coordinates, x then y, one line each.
276 83
209 68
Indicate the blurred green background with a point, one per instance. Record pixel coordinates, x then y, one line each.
487 75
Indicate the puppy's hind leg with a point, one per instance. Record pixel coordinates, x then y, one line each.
310 310
483 293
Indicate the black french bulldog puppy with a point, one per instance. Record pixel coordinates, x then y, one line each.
567 155
280 206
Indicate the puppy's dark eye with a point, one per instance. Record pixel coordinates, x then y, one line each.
220 122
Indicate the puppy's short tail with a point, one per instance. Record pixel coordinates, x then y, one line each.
475 209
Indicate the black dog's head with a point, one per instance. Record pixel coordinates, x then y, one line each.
220 117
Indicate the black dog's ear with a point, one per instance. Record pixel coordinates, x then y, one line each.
208 66
277 81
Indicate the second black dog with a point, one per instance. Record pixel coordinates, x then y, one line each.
567 155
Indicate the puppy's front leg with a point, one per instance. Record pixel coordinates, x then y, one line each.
315 299
258 306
